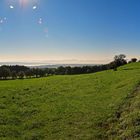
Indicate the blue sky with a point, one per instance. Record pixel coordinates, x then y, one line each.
69 31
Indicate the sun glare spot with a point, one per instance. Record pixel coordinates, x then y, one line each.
34 7
1 21
11 7
40 21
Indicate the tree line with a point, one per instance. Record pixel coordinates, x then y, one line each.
21 72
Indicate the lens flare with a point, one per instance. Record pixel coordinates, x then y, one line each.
11 7
23 3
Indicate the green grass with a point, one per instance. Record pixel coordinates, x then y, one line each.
127 126
64 107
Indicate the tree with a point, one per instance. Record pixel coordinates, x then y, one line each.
134 60
36 72
119 60
5 72
21 74
14 74
42 73
68 70
29 73
120 57
18 68
60 70
50 71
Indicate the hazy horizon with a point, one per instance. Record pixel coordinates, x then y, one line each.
59 62
36 62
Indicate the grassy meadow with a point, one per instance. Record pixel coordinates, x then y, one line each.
71 107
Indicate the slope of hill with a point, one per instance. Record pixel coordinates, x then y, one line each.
90 106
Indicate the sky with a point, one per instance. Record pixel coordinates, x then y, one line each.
69 31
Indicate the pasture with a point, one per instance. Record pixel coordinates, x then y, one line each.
67 107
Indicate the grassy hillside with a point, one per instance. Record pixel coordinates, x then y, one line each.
68 107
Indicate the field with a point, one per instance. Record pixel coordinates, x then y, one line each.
91 106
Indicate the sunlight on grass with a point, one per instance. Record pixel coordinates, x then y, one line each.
63 107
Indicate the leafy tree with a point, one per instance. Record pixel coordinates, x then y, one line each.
36 72
42 73
134 60
68 70
119 60
14 75
29 73
21 74
60 70
5 72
